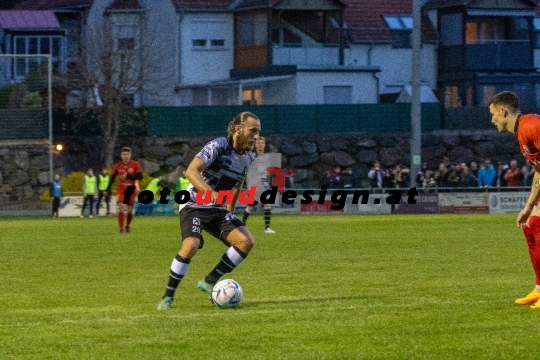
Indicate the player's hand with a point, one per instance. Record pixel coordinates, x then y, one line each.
122 177
523 216
214 197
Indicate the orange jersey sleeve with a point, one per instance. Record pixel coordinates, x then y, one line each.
528 136
116 169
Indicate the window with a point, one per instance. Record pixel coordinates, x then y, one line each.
451 32
337 94
536 28
251 97
482 31
35 45
401 26
220 96
199 43
209 34
217 42
200 97
285 37
451 97
252 30
125 44
125 37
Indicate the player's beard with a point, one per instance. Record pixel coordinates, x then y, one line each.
243 142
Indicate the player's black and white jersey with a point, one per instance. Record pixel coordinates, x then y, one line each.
225 168
265 177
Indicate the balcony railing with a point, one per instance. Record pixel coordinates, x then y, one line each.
293 55
489 55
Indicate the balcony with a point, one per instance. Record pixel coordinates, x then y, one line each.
323 55
492 55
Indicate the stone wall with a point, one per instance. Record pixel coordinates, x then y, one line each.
24 168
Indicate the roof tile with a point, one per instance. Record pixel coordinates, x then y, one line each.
28 19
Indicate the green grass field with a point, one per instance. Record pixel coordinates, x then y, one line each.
323 287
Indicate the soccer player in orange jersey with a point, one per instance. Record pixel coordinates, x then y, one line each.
128 172
506 116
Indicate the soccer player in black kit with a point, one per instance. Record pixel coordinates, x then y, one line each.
222 164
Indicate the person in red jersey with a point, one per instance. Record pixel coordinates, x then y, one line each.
506 116
128 172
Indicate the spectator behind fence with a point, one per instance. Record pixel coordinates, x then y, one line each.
473 166
335 178
441 175
512 176
467 178
401 176
326 179
89 187
487 176
103 184
289 178
421 175
454 178
527 173
501 170
429 181
349 180
388 179
376 175
448 164
56 193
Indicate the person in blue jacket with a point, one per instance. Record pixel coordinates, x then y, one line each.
56 194
487 176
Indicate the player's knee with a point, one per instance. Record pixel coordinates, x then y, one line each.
247 242
189 248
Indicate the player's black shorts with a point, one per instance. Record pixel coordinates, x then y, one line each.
218 222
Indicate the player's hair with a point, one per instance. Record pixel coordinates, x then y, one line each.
239 120
506 98
261 138
126 149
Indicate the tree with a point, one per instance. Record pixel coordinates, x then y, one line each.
117 64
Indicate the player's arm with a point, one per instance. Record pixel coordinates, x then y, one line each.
134 176
534 195
236 192
193 173
111 181
535 188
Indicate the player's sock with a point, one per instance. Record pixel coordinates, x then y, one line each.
532 234
245 215
129 218
179 267
230 260
121 220
267 215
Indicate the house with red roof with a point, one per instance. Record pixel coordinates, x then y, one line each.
310 52
34 32
228 52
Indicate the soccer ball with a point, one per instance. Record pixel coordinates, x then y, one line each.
227 293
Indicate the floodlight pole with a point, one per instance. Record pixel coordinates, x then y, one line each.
416 110
49 101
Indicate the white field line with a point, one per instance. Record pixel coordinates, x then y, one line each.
245 310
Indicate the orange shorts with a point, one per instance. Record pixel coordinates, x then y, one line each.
121 197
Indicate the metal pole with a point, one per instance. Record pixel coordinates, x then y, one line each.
416 110
49 104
